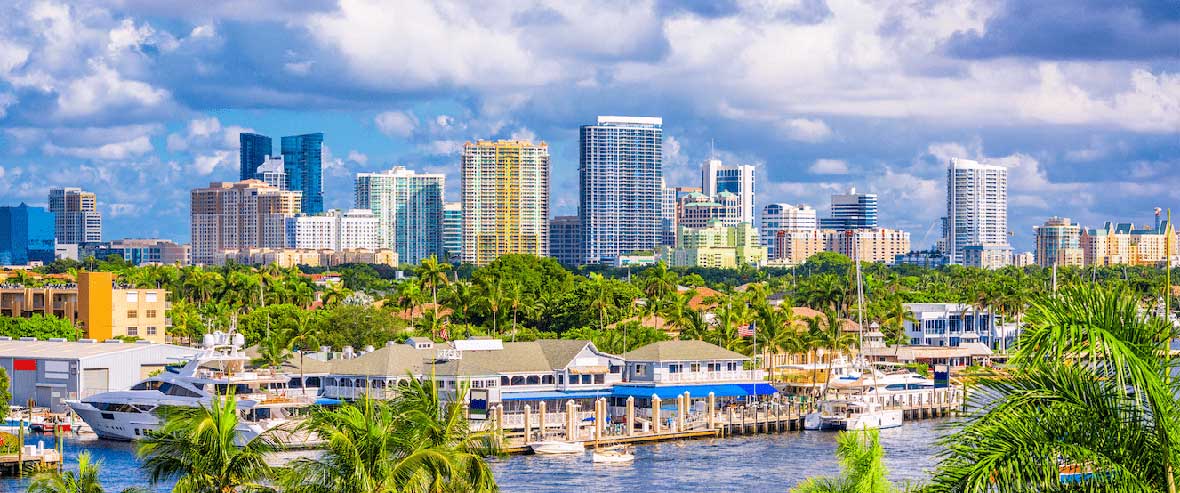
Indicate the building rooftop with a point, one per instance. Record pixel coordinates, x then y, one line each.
74 350
682 351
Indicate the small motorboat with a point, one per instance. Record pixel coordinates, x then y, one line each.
556 447
613 455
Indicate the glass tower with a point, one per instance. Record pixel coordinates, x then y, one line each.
409 210
26 235
303 157
852 211
252 153
619 177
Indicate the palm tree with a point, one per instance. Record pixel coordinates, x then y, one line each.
493 293
408 295
199 448
860 455
415 443
306 335
658 283
831 336
602 302
84 481
433 276
273 350
1092 386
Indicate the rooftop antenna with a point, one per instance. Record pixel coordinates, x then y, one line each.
712 150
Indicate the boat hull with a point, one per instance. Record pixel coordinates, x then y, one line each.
557 448
601 458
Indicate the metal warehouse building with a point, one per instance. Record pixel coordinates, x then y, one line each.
49 372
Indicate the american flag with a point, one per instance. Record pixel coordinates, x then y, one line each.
747 331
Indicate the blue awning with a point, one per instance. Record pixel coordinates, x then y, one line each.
694 391
549 396
325 401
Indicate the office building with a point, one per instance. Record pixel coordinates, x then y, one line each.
253 149
565 240
717 246
76 216
869 245
303 159
334 230
668 208
239 215
141 251
620 197
851 211
272 171
506 200
989 256
409 210
1026 259
453 232
106 311
738 180
976 207
1059 243
784 217
26 235
1123 243
697 210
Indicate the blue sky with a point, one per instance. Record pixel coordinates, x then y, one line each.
141 102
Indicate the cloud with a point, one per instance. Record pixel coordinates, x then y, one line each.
358 157
828 167
113 151
444 147
806 130
208 163
396 123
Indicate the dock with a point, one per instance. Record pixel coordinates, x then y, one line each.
682 424
30 460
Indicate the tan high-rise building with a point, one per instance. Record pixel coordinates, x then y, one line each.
505 199
240 215
1123 243
1059 243
76 217
795 246
869 245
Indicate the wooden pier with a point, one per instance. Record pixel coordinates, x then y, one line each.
12 465
761 417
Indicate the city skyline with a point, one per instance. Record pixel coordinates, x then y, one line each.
140 105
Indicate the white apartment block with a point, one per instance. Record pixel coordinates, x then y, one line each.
738 180
409 210
784 217
977 207
334 230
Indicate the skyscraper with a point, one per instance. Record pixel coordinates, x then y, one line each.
453 232
272 171
852 211
505 199
784 217
26 235
76 216
737 179
252 152
1059 243
303 157
409 208
621 200
976 207
237 216
565 245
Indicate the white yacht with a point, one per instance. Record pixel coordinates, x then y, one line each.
852 415
219 369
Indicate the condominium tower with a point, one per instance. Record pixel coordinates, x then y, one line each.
252 152
505 199
737 179
784 217
76 216
852 211
239 215
334 230
620 193
409 208
303 157
1059 243
453 232
976 207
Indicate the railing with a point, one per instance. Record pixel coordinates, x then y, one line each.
710 376
515 421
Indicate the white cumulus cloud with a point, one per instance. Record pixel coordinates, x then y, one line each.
396 123
828 167
806 130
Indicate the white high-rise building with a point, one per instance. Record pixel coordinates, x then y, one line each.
738 180
273 172
334 230
976 208
409 210
784 217
621 201
76 217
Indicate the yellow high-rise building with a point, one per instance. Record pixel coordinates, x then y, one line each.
505 199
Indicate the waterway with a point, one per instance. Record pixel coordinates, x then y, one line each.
755 463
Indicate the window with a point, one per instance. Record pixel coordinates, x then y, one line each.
641 370
561 380
150 314
132 297
533 380
149 297
547 379
599 379
673 368
586 379
151 331
132 314
517 380
695 367
132 331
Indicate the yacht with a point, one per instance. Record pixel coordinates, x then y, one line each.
220 369
852 415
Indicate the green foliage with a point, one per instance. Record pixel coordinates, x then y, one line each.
5 391
9 443
85 480
618 340
357 326
40 326
860 455
418 442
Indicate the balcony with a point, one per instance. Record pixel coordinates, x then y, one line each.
710 376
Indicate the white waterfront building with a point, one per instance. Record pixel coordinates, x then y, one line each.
976 208
954 324
784 217
334 230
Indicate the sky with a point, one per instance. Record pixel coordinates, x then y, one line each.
140 101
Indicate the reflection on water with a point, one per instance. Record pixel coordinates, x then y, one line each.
755 463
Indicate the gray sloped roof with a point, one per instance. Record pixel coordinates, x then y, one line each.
682 351
392 360
560 352
516 357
